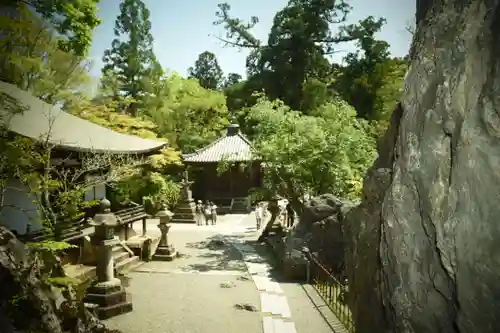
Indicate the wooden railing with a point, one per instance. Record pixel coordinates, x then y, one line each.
130 214
332 291
62 231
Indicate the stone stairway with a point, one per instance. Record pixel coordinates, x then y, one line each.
124 261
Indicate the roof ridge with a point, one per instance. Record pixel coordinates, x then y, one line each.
232 146
200 150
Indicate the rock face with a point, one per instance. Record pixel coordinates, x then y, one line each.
424 243
28 303
320 230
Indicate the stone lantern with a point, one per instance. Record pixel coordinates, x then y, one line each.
165 251
107 293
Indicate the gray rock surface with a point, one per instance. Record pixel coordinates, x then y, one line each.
28 303
319 229
423 251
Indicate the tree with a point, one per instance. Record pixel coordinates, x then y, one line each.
363 75
422 242
191 116
131 55
325 153
207 71
232 79
298 47
58 189
152 182
30 58
75 20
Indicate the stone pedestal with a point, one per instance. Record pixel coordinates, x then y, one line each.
107 293
164 251
185 212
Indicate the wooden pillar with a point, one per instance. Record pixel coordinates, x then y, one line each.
231 184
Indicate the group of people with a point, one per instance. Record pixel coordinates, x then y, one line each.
206 213
284 209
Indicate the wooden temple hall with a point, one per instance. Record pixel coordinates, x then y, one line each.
229 190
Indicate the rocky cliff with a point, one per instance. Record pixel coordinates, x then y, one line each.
320 229
30 302
423 245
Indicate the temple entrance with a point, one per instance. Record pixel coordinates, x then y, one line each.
231 188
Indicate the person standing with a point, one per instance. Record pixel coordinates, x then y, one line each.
259 214
199 213
213 208
274 209
207 212
290 215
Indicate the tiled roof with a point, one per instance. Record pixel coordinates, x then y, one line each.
67 131
233 147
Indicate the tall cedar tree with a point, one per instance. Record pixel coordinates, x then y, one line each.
131 58
207 70
299 44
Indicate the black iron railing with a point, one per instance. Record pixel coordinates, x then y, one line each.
333 292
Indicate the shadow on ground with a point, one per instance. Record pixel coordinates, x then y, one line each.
211 254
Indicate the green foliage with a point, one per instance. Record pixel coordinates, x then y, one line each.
53 247
74 20
371 81
191 116
31 58
207 71
63 281
294 63
139 184
150 188
131 56
326 153
232 79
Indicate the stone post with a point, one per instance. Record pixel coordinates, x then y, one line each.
185 212
107 292
165 251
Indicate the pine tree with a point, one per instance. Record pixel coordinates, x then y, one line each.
131 58
207 70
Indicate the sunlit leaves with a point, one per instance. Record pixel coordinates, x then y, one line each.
32 60
327 153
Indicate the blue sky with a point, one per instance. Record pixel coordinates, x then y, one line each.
182 29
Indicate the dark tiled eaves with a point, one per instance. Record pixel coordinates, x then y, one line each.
66 131
233 148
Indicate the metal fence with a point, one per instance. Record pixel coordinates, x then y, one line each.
332 291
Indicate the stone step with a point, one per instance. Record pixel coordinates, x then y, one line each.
178 220
184 216
117 249
80 272
274 304
128 264
120 256
277 325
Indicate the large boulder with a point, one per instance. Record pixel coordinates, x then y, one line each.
320 229
29 299
424 244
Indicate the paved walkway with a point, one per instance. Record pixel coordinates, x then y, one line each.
220 283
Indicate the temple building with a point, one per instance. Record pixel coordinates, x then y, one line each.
69 136
229 190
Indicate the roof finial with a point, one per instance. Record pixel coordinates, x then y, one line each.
233 129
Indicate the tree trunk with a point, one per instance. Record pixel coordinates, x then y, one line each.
423 254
